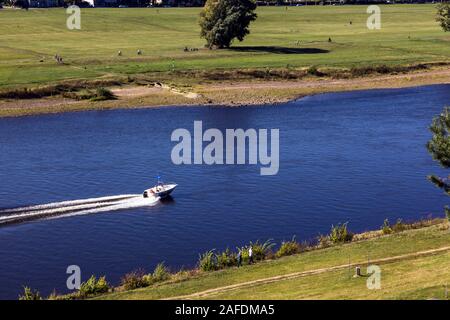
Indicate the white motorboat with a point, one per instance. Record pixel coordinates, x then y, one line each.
161 190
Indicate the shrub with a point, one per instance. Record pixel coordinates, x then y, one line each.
148 280
386 227
289 248
23 93
244 254
340 234
99 94
207 261
210 261
74 90
81 95
30 294
160 273
134 280
399 226
384 69
361 71
323 241
93 286
226 259
261 250
102 94
314 71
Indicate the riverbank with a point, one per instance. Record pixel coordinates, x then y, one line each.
146 92
327 273
420 256
418 252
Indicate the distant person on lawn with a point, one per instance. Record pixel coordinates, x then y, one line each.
250 255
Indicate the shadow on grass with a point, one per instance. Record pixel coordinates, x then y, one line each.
279 50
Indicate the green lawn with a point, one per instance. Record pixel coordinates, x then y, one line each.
409 34
412 278
425 277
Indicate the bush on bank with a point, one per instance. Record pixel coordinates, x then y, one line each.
30 294
212 260
139 279
133 280
93 286
289 248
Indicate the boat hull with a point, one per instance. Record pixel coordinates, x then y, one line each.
162 191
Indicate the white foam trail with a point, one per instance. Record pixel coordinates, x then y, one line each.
68 203
75 207
61 209
128 204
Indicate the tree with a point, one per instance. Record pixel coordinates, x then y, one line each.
439 147
222 21
443 16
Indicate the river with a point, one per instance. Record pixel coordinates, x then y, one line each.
357 156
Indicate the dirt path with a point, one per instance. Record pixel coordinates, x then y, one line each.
307 273
139 91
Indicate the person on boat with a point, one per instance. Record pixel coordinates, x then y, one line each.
250 255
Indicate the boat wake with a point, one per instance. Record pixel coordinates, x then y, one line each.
73 208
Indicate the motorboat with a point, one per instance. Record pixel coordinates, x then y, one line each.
161 190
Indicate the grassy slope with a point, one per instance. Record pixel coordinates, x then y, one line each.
28 37
419 278
425 278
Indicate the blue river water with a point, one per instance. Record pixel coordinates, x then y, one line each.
358 157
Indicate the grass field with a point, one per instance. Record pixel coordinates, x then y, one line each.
413 278
30 39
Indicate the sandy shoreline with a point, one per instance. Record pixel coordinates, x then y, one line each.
226 93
